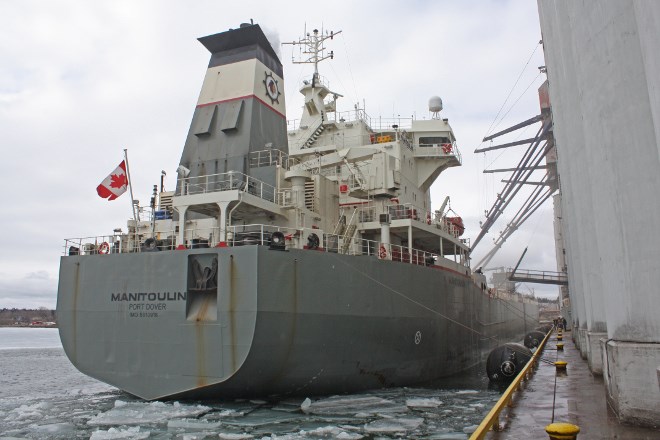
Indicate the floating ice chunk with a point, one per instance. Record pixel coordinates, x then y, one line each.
27 412
56 429
323 431
347 405
306 404
470 429
423 403
140 413
201 435
92 389
293 402
133 433
229 413
235 436
192 424
451 436
261 417
394 425
223 414
467 392
330 432
349 436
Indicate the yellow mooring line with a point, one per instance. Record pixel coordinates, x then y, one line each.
493 417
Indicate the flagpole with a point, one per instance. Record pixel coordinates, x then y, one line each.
130 187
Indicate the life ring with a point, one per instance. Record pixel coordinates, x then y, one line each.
446 148
382 252
104 248
428 219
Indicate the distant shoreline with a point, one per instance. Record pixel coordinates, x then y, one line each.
27 326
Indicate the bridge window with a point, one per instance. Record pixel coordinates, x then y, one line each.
433 141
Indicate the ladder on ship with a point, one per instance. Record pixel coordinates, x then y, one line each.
349 232
357 181
315 135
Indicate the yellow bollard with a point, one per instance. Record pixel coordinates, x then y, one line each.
560 347
562 431
561 365
560 338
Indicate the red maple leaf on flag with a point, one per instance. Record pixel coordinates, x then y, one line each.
118 180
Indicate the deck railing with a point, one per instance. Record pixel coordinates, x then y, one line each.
231 180
254 234
442 150
268 157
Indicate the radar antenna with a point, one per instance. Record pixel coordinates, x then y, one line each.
312 49
435 107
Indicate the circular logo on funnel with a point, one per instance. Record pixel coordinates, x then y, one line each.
272 89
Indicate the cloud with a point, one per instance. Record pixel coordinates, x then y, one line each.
28 292
38 275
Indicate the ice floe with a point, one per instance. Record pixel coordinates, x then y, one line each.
348 405
394 425
192 424
132 433
229 436
424 403
55 401
467 392
140 413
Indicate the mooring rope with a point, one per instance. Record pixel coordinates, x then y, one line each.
406 297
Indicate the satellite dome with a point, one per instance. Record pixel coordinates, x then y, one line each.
435 104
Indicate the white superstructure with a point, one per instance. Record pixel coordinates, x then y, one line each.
348 184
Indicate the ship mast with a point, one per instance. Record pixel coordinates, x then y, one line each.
313 51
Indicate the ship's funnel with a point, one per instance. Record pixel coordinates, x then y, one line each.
240 107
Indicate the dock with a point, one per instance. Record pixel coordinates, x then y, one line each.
579 399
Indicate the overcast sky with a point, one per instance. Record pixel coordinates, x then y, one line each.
80 81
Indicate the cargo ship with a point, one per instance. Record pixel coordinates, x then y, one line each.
295 257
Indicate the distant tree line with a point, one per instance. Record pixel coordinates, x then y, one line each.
26 316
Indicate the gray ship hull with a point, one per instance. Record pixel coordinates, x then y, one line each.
278 323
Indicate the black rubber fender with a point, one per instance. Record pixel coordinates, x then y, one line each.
506 361
533 339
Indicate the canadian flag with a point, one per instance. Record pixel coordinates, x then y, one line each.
115 184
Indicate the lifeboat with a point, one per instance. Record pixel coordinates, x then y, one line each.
457 222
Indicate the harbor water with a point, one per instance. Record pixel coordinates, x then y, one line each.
42 396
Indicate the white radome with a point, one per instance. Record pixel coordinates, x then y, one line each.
435 104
